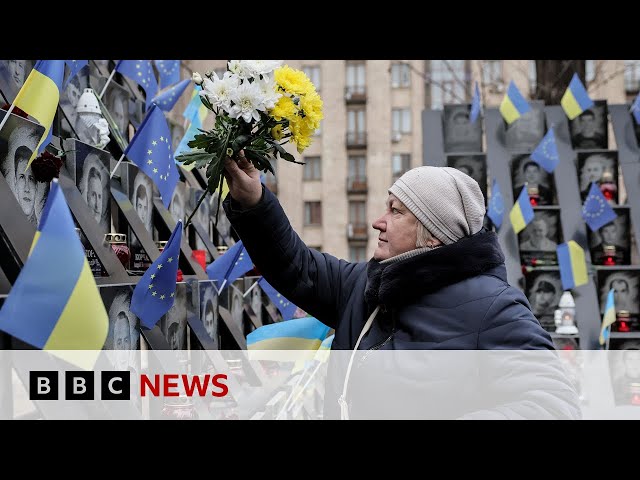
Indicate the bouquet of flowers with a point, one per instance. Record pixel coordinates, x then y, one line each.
259 106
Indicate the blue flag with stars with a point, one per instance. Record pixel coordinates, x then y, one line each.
546 153
596 211
150 149
169 71
635 109
230 265
475 105
286 308
141 72
74 67
496 205
167 99
155 292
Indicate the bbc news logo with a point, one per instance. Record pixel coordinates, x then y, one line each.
116 385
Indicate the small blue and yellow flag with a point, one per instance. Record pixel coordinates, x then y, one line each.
572 263
596 211
297 334
608 318
635 109
513 104
40 95
167 99
141 72
195 107
287 309
522 212
169 71
546 153
576 99
54 303
496 205
476 105
155 292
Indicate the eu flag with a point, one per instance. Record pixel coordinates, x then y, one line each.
169 71
167 99
635 109
74 67
575 99
40 95
286 308
229 266
155 293
141 72
496 205
596 211
475 105
54 303
150 149
546 153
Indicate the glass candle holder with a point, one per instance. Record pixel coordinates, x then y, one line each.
118 242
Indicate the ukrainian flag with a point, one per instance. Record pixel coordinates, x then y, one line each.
608 319
573 266
54 303
576 99
39 97
296 334
522 212
513 104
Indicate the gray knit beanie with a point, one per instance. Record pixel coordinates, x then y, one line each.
446 201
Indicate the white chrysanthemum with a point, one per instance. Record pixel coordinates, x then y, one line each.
248 100
219 90
261 67
240 68
270 94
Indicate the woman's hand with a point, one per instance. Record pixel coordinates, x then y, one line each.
243 180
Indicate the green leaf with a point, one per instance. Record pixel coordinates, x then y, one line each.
261 161
240 142
191 157
284 154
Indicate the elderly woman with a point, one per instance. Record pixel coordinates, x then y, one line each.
437 279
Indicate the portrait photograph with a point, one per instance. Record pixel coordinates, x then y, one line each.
589 130
255 296
625 285
124 326
92 179
136 112
540 238
614 237
209 310
19 138
624 369
101 67
116 100
526 132
473 165
201 217
69 99
13 74
460 135
540 184
180 202
595 167
141 196
174 322
544 289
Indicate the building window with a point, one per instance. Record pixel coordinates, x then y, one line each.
312 168
357 168
400 163
357 213
533 78
401 120
589 70
492 73
356 78
313 72
357 253
450 82
356 127
312 213
400 75
632 76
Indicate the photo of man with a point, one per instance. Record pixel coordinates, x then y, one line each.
589 129
116 99
93 174
473 165
613 234
527 132
209 309
70 96
544 291
460 135
177 207
538 181
592 167
13 74
536 236
174 322
123 334
625 290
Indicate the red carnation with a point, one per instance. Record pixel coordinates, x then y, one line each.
46 167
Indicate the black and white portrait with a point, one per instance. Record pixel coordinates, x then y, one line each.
209 310
255 296
177 132
236 304
69 97
625 285
544 290
201 217
527 132
179 202
223 227
595 167
540 238
473 165
92 172
124 333
539 182
18 140
142 198
136 112
13 74
460 135
589 129
116 99
101 67
614 237
174 322
624 368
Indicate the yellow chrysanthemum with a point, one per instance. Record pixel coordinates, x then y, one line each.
293 81
284 108
311 105
300 133
277 133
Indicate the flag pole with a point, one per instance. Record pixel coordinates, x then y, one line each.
117 165
6 116
608 337
305 385
113 72
249 289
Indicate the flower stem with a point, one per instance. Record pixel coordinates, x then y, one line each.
200 200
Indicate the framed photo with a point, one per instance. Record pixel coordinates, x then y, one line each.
202 217
589 130
625 285
101 67
141 192
473 165
594 166
527 132
174 323
614 234
116 100
124 326
180 202
539 240
19 138
460 135
539 182
624 369
69 100
13 74
255 296
544 289
209 310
